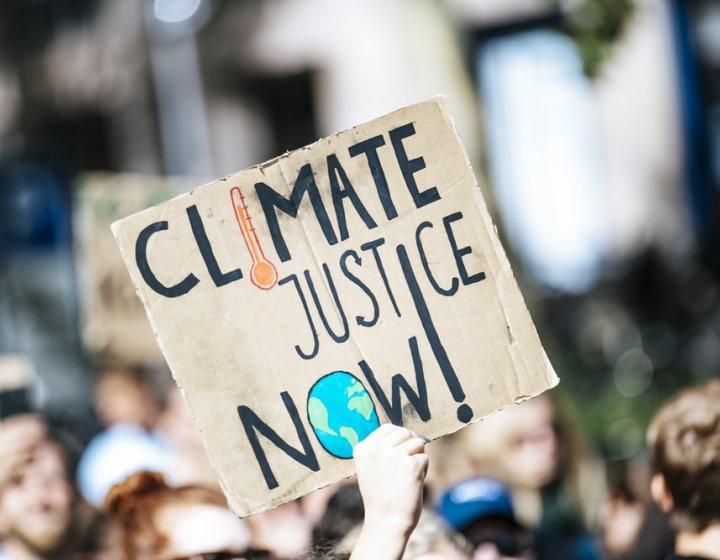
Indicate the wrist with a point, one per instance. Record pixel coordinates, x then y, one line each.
389 523
382 536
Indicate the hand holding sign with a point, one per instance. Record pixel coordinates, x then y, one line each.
391 468
370 287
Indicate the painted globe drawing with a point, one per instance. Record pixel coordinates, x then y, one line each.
341 413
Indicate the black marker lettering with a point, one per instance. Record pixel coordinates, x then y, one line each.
362 321
179 289
316 343
369 148
460 253
372 246
270 200
464 412
203 243
419 399
411 166
346 330
254 425
339 193
454 283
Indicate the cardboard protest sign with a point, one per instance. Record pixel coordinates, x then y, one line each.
304 301
114 323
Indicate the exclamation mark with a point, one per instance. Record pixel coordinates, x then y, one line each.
263 273
464 412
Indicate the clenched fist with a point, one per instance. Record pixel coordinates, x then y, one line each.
391 467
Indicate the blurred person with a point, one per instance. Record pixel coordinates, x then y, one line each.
684 438
625 515
148 426
41 516
481 510
159 522
19 437
175 425
344 512
340 526
315 504
128 403
634 528
284 531
432 539
21 431
556 490
128 395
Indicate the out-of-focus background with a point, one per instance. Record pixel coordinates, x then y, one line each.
593 126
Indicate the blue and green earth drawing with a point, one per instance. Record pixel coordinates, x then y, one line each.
341 413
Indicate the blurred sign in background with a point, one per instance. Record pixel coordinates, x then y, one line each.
114 326
594 123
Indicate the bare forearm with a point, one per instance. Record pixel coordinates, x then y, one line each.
391 465
381 540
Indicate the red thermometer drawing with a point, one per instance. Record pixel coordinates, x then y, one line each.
263 273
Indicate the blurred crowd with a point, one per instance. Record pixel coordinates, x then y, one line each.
520 484
594 126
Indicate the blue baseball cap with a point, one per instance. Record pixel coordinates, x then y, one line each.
475 499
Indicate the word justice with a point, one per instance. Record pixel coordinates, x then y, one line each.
448 272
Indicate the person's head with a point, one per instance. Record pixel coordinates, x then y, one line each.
519 444
432 539
284 531
481 509
159 522
343 513
36 507
684 438
128 395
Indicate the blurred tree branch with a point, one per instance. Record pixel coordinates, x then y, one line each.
595 26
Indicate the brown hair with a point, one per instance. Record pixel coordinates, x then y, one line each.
134 503
684 438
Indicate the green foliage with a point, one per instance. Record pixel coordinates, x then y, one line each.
596 26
